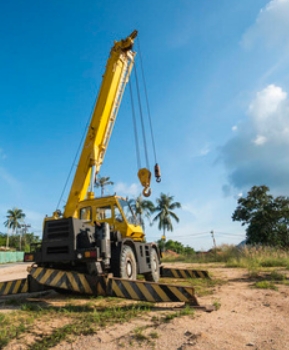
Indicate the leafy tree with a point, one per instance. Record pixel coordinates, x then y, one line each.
102 182
14 217
142 208
176 246
266 217
164 208
23 241
2 239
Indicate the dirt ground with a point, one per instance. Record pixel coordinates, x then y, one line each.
248 318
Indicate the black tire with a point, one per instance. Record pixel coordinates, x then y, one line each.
154 275
127 267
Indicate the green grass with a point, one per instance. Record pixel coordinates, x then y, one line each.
232 256
82 319
205 286
265 285
217 304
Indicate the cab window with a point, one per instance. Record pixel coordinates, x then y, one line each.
117 214
103 213
85 214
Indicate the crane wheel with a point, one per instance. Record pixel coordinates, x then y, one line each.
128 268
154 275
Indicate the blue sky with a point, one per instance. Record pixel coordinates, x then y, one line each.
217 79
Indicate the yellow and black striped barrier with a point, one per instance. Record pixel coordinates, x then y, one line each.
14 287
99 285
150 291
115 287
69 280
183 273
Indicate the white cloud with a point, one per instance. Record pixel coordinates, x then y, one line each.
123 189
260 140
271 27
234 128
269 114
203 151
259 152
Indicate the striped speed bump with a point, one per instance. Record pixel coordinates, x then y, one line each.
69 280
183 273
14 287
150 291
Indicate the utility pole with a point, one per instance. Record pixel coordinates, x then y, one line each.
214 241
24 230
215 245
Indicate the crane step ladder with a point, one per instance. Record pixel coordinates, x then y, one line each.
41 279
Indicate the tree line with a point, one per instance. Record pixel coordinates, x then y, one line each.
266 218
163 214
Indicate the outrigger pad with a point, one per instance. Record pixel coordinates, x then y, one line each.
183 273
114 287
14 287
150 291
69 280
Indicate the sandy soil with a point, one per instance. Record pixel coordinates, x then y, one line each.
9 272
248 318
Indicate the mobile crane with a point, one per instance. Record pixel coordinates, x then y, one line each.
96 246
100 235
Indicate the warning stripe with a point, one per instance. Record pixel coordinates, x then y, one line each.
150 291
14 287
183 273
72 281
116 287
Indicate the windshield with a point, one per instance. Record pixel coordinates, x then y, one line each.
128 212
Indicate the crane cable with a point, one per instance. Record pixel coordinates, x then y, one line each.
157 170
141 118
74 162
135 127
147 101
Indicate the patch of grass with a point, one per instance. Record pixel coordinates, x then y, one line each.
12 326
265 285
82 319
217 304
277 276
205 286
30 307
138 334
234 256
154 335
187 311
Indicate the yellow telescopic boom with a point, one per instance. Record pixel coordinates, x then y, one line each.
117 73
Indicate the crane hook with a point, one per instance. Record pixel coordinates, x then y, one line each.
147 191
158 173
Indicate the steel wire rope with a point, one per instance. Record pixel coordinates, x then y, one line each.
141 117
134 127
147 101
76 154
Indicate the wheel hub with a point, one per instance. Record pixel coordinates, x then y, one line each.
128 268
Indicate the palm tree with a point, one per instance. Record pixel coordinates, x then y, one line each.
14 217
164 208
102 182
142 208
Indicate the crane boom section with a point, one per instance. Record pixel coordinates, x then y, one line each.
117 73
